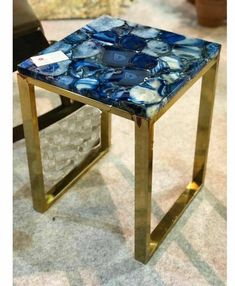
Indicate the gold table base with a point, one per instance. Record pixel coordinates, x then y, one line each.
146 242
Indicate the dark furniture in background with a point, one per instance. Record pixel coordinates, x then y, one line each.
28 40
211 13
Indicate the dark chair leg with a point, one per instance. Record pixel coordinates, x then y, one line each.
48 118
65 101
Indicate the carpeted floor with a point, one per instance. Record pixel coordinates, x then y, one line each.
86 238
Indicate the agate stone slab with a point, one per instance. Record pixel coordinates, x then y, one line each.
132 67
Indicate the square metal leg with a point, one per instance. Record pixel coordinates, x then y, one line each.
146 243
42 200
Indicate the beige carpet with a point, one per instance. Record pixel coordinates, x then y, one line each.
86 238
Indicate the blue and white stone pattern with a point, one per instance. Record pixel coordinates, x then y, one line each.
132 67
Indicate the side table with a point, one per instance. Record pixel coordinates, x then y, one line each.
133 71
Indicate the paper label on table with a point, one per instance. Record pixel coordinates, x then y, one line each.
49 58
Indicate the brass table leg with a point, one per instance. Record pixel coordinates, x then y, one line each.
204 123
32 140
42 200
146 243
143 187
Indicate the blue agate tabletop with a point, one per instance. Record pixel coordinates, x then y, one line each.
132 67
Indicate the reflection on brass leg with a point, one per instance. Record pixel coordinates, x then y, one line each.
105 130
147 243
42 200
204 123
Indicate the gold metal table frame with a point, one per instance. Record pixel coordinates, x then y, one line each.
146 243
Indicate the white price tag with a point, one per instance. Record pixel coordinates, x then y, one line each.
49 58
